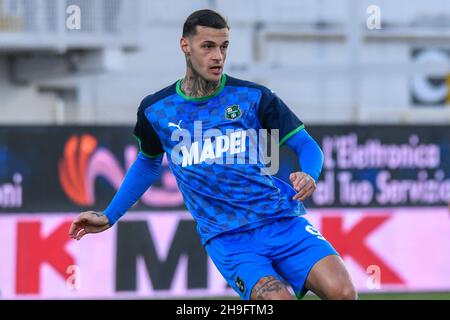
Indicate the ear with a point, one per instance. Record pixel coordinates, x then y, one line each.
184 45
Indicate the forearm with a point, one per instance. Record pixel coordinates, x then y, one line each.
141 175
309 154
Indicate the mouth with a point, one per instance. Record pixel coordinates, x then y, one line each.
216 70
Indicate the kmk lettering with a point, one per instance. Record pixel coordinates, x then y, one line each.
33 250
353 243
161 244
135 240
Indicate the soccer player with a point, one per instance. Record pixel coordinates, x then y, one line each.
251 224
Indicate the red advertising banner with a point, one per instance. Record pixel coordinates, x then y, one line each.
158 254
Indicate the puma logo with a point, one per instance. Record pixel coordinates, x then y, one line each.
171 124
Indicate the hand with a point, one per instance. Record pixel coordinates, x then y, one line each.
304 184
88 222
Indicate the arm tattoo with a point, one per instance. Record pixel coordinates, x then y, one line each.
195 86
271 285
98 214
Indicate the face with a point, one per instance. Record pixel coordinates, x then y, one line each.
206 52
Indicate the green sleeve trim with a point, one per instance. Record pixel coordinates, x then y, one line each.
290 134
219 90
145 154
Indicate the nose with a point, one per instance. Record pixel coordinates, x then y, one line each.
217 55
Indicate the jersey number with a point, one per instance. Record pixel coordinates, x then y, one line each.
315 232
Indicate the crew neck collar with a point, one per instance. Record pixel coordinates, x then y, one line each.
215 93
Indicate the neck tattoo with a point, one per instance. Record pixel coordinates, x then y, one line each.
193 85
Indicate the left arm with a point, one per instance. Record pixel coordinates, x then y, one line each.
310 159
273 113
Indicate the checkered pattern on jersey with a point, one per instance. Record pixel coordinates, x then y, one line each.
220 196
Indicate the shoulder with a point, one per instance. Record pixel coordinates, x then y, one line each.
235 82
151 99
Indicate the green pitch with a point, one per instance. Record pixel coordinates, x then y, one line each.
370 296
397 296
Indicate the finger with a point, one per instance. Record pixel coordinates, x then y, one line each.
296 181
306 195
293 176
306 179
300 197
301 183
306 192
72 229
296 176
76 224
80 234
303 192
75 231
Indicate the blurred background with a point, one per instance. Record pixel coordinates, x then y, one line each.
370 80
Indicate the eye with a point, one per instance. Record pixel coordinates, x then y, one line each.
207 46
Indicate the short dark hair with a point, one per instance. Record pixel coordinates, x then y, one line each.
204 18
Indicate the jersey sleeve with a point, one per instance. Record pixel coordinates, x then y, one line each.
273 113
149 143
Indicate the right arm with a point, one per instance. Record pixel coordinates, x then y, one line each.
141 175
